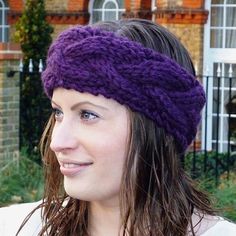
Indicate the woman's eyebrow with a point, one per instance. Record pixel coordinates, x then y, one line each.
76 105
54 103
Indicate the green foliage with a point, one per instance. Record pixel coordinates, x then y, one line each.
222 191
21 182
223 195
204 166
34 112
226 200
33 31
34 34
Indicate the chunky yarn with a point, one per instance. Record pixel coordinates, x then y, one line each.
99 62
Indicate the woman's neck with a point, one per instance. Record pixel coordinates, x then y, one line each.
104 219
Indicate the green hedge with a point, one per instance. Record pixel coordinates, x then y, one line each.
223 195
21 182
205 167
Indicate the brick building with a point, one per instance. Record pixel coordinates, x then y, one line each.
201 25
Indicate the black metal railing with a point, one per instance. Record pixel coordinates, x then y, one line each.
212 153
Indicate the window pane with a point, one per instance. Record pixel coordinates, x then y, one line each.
110 5
225 129
214 127
217 16
230 103
226 74
215 67
1 35
216 100
231 2
215 74
110 15
97 16
121 3
232 127
216 38
98 4
6 35
230 41
231 16
217 2
233 81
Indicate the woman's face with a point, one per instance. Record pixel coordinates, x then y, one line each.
90 142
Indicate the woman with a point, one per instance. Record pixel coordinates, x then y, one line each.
126 106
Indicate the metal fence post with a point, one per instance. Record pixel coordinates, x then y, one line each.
217 122
229 116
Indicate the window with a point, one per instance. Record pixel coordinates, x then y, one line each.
106 10
4 28
223 24
224 104
219 56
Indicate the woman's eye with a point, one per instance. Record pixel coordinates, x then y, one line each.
87 115
57 113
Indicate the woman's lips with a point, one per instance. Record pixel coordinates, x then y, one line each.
71 169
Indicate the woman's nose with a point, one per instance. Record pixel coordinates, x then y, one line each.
63 138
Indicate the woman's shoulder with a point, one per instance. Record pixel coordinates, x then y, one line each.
11 218
221 228
213 226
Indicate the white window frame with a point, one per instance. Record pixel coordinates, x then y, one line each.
103 10
211 56
116 10
4 26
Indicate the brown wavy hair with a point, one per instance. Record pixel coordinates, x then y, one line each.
157 198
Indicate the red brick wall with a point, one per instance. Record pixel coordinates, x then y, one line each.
185 12
135 4
15 5
138 8
162 3
10 51
77 5
127 5
193 4
146 4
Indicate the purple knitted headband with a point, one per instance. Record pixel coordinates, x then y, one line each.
99 62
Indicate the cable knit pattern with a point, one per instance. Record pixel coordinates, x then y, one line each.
99 62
